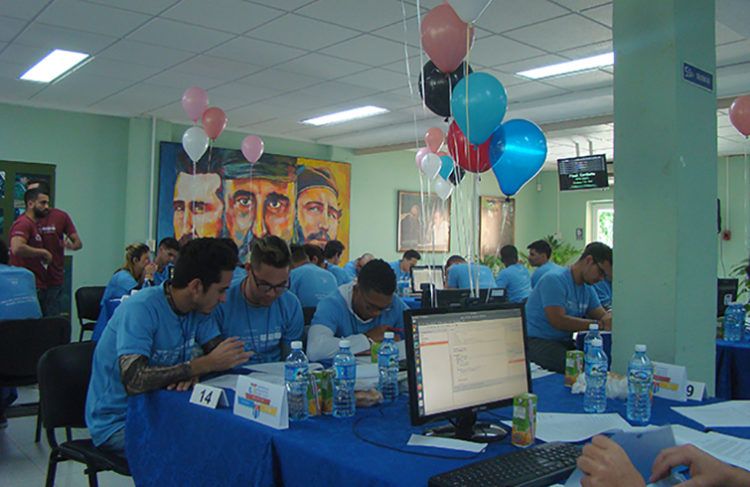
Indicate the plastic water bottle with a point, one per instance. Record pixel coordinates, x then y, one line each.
593 333
640 386
345 368
734 322
296 375
595 362
388 368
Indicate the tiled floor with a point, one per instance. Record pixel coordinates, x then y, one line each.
23 463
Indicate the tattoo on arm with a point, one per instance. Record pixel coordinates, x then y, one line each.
211 344
138 377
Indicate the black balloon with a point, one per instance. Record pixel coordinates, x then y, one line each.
438 87
457 175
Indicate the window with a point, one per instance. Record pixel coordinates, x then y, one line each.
600 222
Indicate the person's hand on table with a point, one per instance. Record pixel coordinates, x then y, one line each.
606 321
605 464
378 333
365 399
705 470
184 385
226 355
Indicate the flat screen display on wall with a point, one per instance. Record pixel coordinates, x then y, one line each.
586 172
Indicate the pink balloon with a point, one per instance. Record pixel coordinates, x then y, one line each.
252 148
434 139
444 37
420 154
739 114
194 102
214 122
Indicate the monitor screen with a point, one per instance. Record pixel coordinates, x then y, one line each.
465 360
422 274
585 172
727 293
452 298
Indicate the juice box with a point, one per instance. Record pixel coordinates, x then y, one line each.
320 392
374 349
573 366
524 419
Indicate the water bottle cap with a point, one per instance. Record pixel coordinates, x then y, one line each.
388 335
296 345
344 344
640 347
594 326
596 342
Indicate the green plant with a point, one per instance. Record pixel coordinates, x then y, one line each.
493 262
562 252
740 271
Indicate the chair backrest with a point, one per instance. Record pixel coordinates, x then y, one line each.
87 302
23 342
63 374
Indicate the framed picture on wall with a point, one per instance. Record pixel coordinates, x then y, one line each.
424 222
497 218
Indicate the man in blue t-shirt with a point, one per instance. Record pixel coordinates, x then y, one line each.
540 253
150 342
166 254
515 277
309 282
564 301
354 266
603 290
462 275
402 269
258 310
332 255
361 312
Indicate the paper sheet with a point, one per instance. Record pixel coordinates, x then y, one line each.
450 443
277 368
726 414
575 427
228 381
726 448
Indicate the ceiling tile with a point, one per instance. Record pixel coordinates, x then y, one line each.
233 95
562 33
334 92
15 90
216 67
22 9
272 127
147 54
602 14
12 70
252 114
321 66
368 49
144 6
587 51
51 37
280 80
301 32
733 53
495 50
378 79
287 5
20 54
578 5
531 63
531 90
179 81
507 79
110 68
88 17
395 32
580 81
725 35
78 90
226 15
10 27
169 33
363 16
503 15
255 51
139 99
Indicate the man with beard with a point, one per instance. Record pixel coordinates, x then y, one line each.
318 209
196 202
26 244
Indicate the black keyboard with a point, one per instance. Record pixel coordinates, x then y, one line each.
538 465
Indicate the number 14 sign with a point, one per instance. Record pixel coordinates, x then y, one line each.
209 396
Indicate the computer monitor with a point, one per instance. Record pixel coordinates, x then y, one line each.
423 274
463 361
451 298
726 293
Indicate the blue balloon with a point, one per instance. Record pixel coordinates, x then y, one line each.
485 105
447 168
517 151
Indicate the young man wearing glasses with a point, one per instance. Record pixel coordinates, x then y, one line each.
565 301
258 309
361 312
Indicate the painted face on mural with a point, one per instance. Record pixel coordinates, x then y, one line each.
196 204
318 214
260 206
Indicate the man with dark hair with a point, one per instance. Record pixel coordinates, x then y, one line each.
402 268
354 266
361 312
197 201
515 277
318 208
564 302
540 253
166 254
26 243
309 282
258 310
151 339
332 254
314 255
462 275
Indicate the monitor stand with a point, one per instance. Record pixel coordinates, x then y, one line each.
467 428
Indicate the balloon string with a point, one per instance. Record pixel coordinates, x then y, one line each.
421 51
406 50
747 196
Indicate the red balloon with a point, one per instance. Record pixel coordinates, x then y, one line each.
469 156
444 37
739 114
214 122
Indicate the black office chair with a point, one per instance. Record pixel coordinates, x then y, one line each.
88 299
22 343
64 374
308 312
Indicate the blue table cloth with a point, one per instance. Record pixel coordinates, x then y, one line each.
172 442
732 370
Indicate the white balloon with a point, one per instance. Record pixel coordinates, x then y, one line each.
469 10
443 188
431 165
195 143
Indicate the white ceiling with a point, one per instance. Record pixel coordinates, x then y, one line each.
271 63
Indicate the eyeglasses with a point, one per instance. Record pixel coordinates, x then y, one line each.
370 307
266 288
602 272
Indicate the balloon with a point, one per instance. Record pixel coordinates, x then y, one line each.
444 37
470 157
446 167
195 143
469 10
194 102
420 154
443 188
479 113
214 122
457 175
739 114
434 139
431 164
524 149
252 148
438 87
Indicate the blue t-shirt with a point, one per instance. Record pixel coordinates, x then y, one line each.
238 274
311 283
335 312
458 276
18 299
516 282
400 275
351 268
144 325
542 270
341 276
163 275
558 289
262 328
603 290
120 284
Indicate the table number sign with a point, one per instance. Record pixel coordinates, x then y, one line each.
261 401
209 396
670 381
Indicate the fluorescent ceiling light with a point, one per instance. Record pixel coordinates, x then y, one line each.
584 64
53 65
346 115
